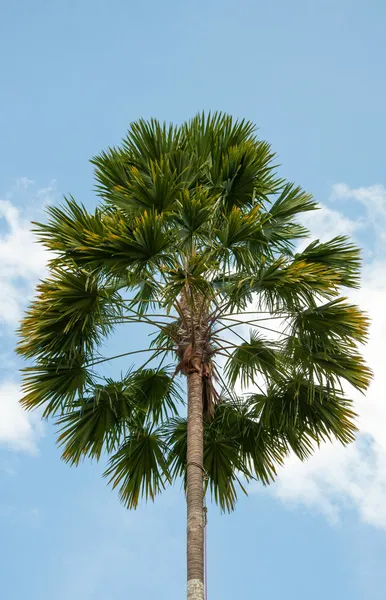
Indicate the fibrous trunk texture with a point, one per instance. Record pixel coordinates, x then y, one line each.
195 495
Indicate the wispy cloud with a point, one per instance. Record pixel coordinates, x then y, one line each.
19 430
22 260
22 263
372 200
327 223
373 197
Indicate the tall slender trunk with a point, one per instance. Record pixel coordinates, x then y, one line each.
195 497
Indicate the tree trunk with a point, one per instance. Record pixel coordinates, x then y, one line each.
195 492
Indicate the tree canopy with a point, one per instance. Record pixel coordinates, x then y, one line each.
194 220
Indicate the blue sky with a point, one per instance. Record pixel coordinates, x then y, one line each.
311 75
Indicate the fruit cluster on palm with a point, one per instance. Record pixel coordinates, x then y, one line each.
196 236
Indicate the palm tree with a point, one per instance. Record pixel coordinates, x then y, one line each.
197 237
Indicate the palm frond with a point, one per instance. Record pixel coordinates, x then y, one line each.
236 447
72 313
305 414
54 384
146 144
68 228
223 464
222 459
193 275
261 449
245 173
282 285
150 140
109 242
214 132
323 358
238 227
339 256
336 319
250 360
290 284
139 468
168 335
291 202
278 225
155 188
148 295
97 422
156 391
193 212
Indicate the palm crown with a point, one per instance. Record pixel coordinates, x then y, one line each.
197 229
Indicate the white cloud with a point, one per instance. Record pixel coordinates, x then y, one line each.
19 430
22 259
47 194
24 182
22 263
373 197
327 223
337 477
373 200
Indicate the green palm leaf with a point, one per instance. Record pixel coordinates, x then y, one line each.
69 227
324 359
251 360
305 414
111 242
261 449
54 384
339 256
156 391
192 215
236 447
72 312
97 421
336 319
278 225
139 468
